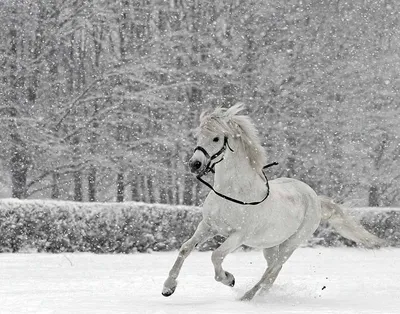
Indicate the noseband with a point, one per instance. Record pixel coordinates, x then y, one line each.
210 168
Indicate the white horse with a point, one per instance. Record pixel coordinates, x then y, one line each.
276 217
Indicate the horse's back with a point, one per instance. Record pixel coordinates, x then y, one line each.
293 194
285 180
292 186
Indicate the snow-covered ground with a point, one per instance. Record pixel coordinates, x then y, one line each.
318 280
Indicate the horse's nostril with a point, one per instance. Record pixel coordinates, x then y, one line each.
196 165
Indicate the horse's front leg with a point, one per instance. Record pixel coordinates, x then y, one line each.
202 233
218 256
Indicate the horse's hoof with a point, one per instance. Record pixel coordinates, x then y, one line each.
169 287
168 291
245 298
230 279
249 295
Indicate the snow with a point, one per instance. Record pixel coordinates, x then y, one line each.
355 281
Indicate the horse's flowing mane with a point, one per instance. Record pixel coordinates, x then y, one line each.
229 122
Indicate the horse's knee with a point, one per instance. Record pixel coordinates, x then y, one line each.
185 249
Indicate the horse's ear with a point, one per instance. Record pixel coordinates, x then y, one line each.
235 109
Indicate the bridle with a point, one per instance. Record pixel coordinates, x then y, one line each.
211 168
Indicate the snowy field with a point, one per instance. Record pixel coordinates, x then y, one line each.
319 280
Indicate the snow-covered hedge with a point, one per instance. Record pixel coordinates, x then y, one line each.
53 226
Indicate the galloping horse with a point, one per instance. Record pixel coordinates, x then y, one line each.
246 209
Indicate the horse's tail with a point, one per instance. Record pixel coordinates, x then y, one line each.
346 225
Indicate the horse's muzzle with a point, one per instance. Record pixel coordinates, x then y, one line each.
195 166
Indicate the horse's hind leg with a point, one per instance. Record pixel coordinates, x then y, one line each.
217 257
276 257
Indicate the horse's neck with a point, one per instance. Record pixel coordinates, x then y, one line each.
236 176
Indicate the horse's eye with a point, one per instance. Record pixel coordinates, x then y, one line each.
216 139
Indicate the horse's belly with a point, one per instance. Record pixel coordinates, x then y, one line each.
269 240
273 232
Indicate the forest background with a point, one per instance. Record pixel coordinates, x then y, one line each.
99 98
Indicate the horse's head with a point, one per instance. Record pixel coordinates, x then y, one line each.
219 132
209 151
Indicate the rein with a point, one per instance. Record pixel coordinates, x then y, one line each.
211 168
